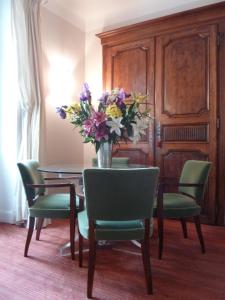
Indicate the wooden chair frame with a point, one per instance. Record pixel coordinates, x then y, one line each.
160 215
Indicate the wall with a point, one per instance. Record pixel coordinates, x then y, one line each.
93 75
63 75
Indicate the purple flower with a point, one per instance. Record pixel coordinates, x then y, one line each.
120 103
85 95
121 95
61 111
104 98
99 117
102 132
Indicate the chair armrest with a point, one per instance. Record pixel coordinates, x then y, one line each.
49 185
64 178
172 181
55 185
80 191
161 189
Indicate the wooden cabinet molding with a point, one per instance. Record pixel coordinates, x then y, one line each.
146 29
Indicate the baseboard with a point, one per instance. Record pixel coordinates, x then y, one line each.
7 216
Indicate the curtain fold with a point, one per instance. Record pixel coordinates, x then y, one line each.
25 25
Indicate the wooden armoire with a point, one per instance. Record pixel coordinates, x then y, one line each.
179 61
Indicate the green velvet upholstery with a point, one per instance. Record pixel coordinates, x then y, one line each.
195 171
51 206
119 194
30 175
185 203
116 161
112 230
179 206
42 205
119 206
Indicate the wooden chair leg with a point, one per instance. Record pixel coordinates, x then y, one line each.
146 262
91 261
39 227
184 227
160 235
199 232
29 235
72 236
80 250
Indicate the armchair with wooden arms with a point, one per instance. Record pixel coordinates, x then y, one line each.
42 205
184 203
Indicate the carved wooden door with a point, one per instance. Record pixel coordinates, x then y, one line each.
186 103
131 66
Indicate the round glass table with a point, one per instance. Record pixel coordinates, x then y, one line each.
76 170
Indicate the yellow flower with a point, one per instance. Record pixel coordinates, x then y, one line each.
113 111
73 108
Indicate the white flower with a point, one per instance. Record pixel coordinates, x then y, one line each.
139 128
115 125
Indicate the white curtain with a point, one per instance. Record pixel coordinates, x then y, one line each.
25 24
8 116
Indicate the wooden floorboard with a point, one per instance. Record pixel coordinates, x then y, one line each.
184 273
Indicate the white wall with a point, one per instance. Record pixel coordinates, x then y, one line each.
63 75
60 143
93 75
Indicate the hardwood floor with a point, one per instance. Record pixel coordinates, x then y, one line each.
184 273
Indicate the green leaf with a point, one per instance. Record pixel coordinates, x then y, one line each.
97 146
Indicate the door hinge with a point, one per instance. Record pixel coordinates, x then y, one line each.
217 123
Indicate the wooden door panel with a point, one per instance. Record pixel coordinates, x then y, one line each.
185 76
173 160
131 66
186 103
127 63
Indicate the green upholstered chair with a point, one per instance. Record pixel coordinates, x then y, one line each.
116 161
117 209
42 205
186 202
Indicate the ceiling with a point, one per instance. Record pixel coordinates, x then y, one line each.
90 15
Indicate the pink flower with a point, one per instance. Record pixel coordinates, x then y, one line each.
102 132
88 126
99 117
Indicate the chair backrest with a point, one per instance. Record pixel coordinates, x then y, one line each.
120 194
116 161
197 172
30 175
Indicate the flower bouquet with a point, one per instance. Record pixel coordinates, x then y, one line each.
117 117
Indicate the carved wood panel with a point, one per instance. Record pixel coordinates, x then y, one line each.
185 74
173 161
126 65
131 66
136 155
185 133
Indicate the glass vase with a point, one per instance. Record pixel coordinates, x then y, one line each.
104 155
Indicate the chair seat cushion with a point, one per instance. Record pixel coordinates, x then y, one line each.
112 230
52 206
177 205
